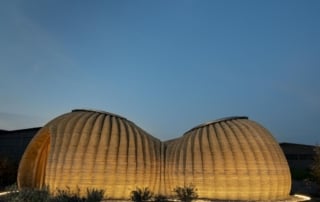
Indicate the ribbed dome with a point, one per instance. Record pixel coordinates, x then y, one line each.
230 159
84 149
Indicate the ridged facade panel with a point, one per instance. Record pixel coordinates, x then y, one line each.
229 159
94 150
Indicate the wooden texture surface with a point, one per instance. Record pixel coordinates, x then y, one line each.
228 159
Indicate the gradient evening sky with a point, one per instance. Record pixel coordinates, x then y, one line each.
165 65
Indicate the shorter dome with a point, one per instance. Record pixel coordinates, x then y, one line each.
231 159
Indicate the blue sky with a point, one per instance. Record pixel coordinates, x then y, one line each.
165 65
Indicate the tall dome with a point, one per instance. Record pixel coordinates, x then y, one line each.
91 149
230 159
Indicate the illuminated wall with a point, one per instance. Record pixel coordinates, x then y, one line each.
232 158
92 149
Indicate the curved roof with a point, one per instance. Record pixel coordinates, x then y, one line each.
217 121
98 111
86 148
229 159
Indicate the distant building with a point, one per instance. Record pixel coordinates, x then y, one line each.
14 142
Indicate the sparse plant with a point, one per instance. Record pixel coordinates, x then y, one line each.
160 198
95 195
141 194
43 195
28 195
186 193
66 195
11 188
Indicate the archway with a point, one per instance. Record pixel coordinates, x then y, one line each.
32 167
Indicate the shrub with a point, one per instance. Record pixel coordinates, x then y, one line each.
94 195
67 195
42 195
186 193
12 187
141 194
28 195
160 198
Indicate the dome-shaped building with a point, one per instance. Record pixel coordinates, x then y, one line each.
230 159
90 149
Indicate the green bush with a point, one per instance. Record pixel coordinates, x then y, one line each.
186 193
95 195
160 198
141 194
42 195
28 195
66 195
